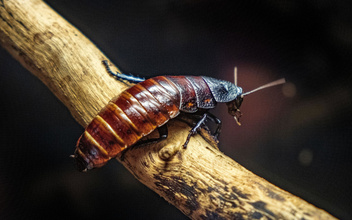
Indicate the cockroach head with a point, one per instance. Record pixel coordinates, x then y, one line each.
234 108
234 105
225 91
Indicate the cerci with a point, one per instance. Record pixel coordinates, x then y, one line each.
147 106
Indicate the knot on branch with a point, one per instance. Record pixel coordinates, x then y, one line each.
168 151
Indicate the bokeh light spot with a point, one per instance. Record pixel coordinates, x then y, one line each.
305 157
289 89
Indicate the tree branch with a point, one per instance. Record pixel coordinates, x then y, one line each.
200 180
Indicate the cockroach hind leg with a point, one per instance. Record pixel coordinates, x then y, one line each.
163 134
124 78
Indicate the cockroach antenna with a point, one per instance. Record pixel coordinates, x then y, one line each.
234 105
235 75
238 113
274 83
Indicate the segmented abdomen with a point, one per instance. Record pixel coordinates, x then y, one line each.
127 118
134 114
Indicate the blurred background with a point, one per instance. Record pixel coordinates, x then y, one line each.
297 136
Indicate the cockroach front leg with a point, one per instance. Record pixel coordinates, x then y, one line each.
218 123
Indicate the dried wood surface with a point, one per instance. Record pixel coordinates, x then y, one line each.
200 181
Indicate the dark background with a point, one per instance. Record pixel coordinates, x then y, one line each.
297 136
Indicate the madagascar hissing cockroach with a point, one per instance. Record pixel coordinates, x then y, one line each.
150 104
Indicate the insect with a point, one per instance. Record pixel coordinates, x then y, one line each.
149 105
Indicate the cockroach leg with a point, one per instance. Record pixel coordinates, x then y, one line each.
163 133
201 123
193 131
218 123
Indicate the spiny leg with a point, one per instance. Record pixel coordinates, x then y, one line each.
121 76
107 67
218 123
163 133
201 123
193 131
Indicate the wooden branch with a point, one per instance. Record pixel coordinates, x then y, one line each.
200 180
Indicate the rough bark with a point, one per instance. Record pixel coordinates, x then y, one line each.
200 181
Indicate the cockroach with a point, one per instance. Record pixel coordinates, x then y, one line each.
149 105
